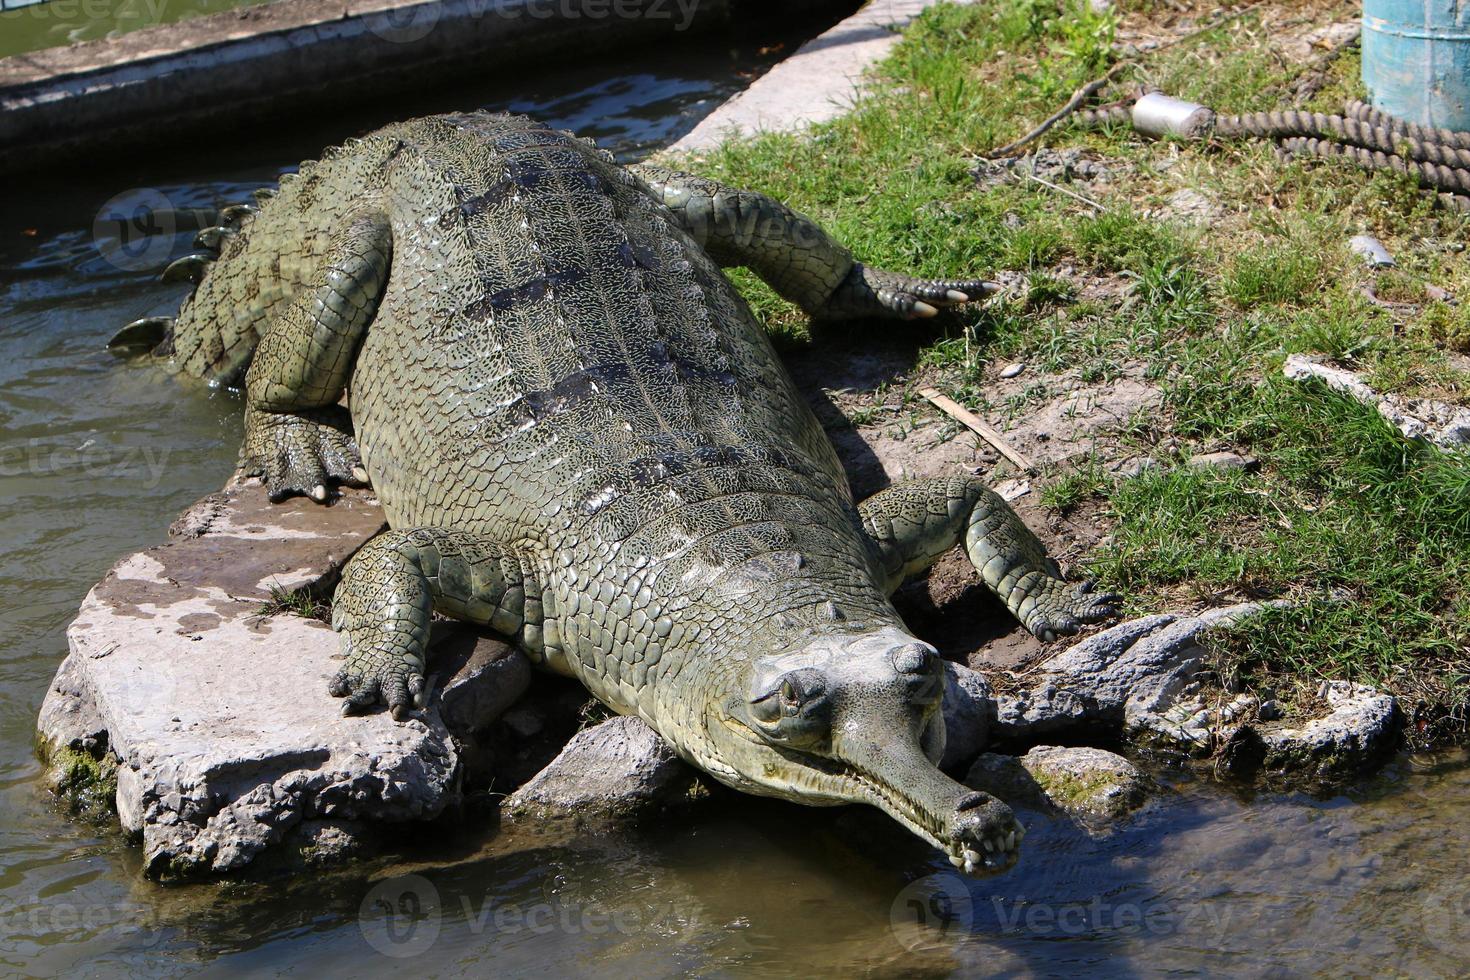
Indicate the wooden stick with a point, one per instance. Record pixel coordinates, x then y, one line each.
978 426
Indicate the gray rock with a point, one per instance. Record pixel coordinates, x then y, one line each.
618 768
1138 681
1012 370
1096 788
1189 206
486 677
1361 727
1223 461
1417 418
969 705
1269 710
218 718
1003 777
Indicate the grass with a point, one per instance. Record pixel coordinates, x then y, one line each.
1368 532
295 602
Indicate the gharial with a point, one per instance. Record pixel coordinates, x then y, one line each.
582 437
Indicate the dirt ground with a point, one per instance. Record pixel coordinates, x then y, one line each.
873 377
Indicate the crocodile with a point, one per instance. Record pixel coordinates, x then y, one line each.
582 438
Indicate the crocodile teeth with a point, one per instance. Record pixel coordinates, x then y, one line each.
989 845
1011 841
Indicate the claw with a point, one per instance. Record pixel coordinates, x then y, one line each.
141 335
190 268
233 214
955 296
923 309
213 237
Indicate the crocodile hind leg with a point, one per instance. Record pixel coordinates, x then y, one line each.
296 435
392 586
913 524
794 255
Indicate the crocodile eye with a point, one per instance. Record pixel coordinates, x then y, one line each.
793 706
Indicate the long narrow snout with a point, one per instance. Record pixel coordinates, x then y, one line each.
974 830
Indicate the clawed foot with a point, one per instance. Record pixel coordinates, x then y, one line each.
301 454
875 293
379 677
1062 608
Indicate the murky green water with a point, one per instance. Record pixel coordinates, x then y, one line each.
28 25
96 459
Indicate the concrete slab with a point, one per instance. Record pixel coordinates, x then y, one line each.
817 83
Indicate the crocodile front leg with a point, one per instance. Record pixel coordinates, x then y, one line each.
391 588
794 255
296 435
913 524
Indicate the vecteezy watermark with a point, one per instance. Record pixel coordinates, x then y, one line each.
134 231
932 910
404 916
39 458
1445 921
127 14
404 25
43 918
1098 915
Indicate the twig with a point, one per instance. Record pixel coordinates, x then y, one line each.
978 426
1062 190
1078 97
1091 88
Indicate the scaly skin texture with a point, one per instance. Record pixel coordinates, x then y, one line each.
582 438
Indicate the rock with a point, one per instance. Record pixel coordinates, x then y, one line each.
1003 777
1269 711
486 677
1096 788
314 844
1012 370
1361 727
1223 461
1138 681
217 717
1055 165
968 707
618 768
1189 206
523 723
1417 418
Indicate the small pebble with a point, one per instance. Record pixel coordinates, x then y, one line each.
1011 370
1223 461
1269 711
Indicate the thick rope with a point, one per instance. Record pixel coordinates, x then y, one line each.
1425 134
1450 179
1359 132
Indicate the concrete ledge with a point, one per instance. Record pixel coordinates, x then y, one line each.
282 58
816 84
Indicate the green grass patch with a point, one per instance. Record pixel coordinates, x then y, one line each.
1364 530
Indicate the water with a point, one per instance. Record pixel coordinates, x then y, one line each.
97 458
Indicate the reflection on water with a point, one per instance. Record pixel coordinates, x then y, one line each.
95 460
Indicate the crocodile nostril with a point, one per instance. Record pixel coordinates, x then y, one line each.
912 658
